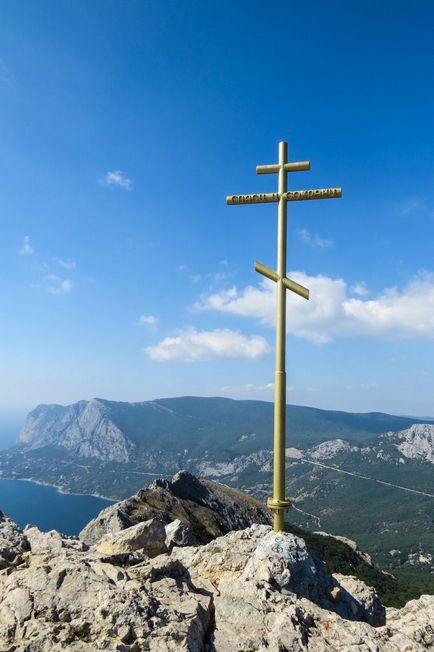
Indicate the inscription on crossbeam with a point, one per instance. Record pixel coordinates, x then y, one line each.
319 193
256 198
291 195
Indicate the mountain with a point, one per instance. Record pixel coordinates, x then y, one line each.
217 428
138 587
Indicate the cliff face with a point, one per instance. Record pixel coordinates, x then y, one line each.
416 442
151 586
84 428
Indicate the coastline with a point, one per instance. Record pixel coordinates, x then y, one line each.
61 490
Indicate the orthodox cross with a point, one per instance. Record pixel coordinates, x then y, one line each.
278 503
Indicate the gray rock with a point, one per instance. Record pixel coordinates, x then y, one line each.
414 622
361 599
50 542
247 590
147 537
13 542
178 534
417 442
76 601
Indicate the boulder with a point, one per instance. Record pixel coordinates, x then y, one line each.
178 534
147 537
50 542
361 599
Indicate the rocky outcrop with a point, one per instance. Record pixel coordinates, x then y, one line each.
417 442
13 542
84 428
247 590
329 449
207 508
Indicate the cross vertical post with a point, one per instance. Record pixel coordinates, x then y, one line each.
278 503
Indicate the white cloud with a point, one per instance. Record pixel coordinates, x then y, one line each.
148 320
57 285
360 289
331 312
190 345
66 264
26 249
313 240
116 178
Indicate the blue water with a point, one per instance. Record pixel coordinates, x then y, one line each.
26 502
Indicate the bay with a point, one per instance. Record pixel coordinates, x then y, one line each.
27 502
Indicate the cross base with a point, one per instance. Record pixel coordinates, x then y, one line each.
274 503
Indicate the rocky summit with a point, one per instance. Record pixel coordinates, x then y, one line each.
139 579
209 509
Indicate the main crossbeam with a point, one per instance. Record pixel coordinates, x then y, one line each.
292 195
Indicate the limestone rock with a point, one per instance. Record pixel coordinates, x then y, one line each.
250 589
414 622
84 428
417 442
75 601
50 542
178 534
13 542
282 562
362 599
147 537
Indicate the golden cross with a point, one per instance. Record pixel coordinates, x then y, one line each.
278 503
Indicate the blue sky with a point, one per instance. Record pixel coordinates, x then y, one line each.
123 126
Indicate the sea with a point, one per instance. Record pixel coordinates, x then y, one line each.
27 502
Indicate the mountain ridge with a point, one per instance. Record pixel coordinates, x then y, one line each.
115 430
